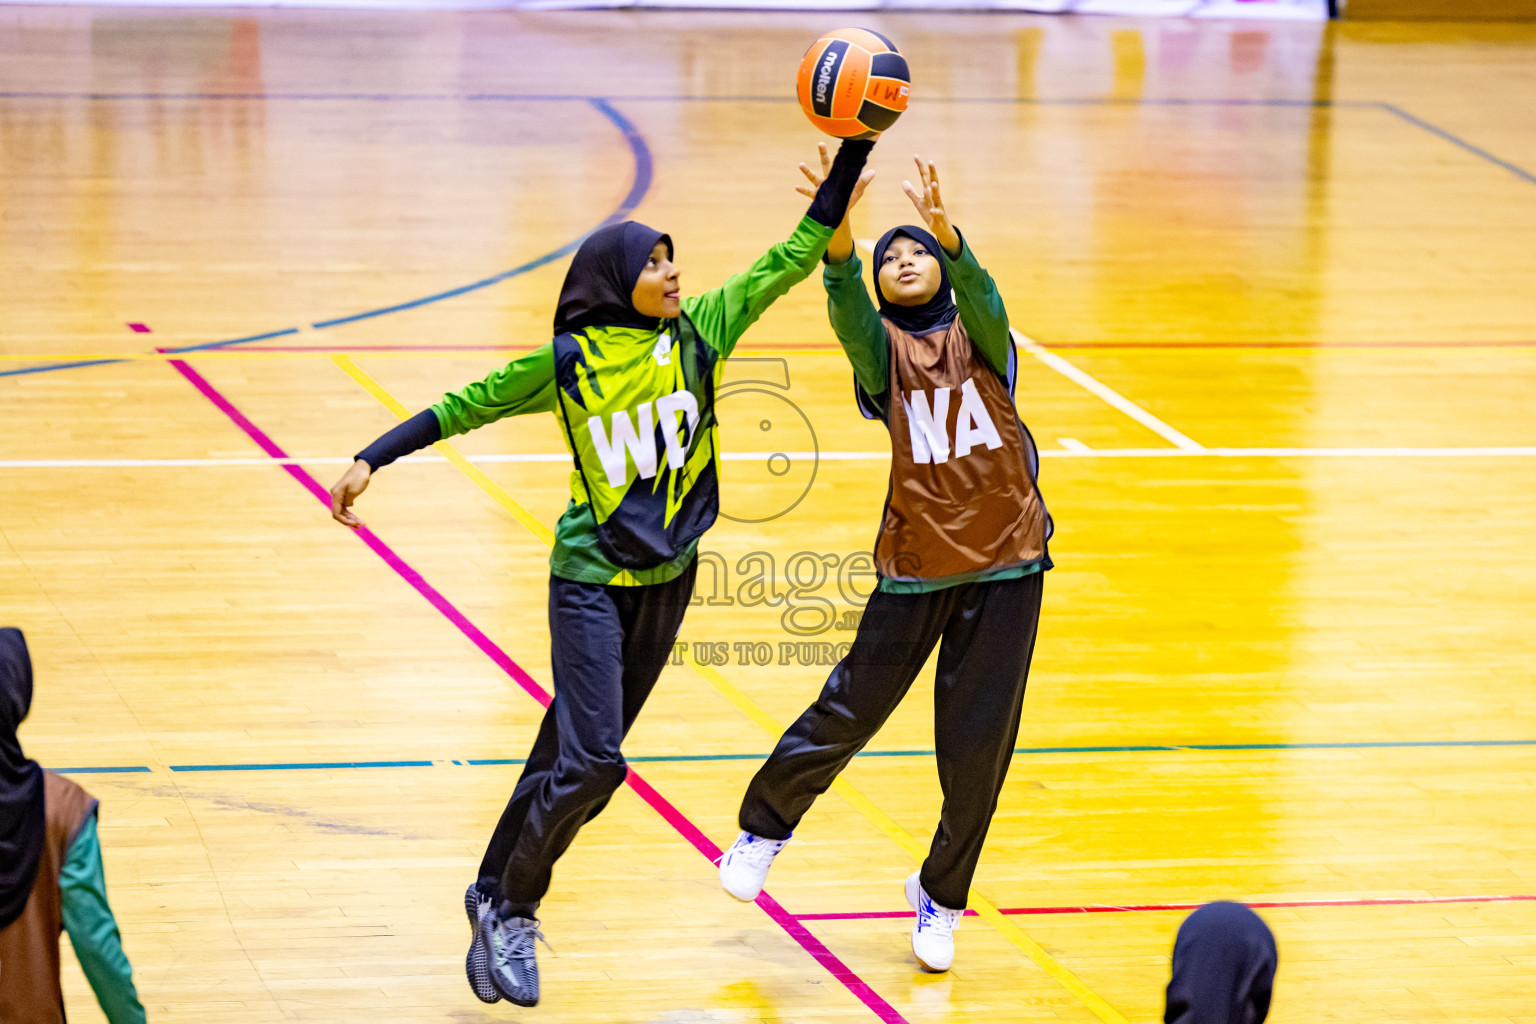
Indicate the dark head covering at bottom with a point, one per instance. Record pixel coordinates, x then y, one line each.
23 826
1223 967
936 312
600 284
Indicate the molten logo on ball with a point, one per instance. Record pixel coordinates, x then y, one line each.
826 75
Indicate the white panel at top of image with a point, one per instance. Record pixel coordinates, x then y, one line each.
1146 8
1265 10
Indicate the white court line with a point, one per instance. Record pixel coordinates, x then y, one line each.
1494 451
1104 391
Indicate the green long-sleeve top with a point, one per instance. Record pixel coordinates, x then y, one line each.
93 930
527 385
859 329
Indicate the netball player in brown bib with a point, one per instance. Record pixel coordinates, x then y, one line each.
961 553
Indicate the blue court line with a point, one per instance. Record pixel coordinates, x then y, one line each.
47 367
237 341
1455 140
297 766
108 770
639 186
687 758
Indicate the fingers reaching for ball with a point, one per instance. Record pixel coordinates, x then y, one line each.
811 176
859 186
930 205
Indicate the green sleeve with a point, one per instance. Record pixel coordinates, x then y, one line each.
981 308
93 930
525 385
856 322
724 314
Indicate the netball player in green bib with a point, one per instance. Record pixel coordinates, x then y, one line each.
630 375
960 555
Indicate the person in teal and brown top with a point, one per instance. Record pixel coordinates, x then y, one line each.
51 879
960 556
631 377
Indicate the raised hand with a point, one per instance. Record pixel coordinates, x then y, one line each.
930 206
815 179
840 247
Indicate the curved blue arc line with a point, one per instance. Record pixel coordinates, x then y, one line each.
639 186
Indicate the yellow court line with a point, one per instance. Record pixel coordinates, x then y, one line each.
984 907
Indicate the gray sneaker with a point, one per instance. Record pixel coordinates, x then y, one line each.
514 970
477 962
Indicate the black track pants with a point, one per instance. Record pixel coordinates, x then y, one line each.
988 633
608 645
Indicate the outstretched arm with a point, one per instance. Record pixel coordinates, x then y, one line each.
526 384
855 320
981 307
724 314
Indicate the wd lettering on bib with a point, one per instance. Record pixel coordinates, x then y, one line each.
625 442
928 426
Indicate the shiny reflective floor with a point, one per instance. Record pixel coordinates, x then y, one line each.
1272 284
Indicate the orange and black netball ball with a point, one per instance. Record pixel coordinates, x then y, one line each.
853 83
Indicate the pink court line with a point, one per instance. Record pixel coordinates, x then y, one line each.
797 931
1098 908
139 328
1110 345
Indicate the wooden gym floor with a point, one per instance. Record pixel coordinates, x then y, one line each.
1273 284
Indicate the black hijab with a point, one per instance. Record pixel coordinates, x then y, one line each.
1223 967
22 824
599 288
936 312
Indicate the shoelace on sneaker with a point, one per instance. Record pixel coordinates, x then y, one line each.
520 944
931 916
757 851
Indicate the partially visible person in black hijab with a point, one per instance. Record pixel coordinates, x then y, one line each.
936 312
22 817
1224 963
599 286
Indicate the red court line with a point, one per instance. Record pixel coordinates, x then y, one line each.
445 349
451 349
818 951
1132 908
1110 345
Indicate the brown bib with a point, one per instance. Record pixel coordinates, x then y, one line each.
29 945
963 497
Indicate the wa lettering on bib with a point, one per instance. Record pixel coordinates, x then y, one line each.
929 424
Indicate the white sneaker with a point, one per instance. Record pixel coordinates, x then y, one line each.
744 868
933 937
